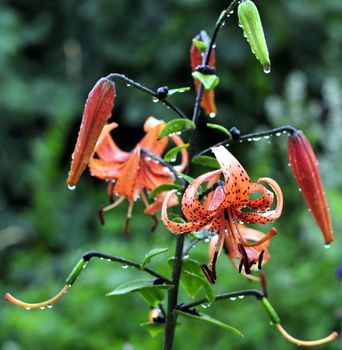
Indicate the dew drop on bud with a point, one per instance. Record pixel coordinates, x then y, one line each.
267 69
232 298
326 246
71 187
155 99
212 115
124 266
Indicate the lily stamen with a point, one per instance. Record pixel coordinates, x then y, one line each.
299 342
271 233
9 297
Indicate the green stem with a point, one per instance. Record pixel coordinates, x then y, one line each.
171 317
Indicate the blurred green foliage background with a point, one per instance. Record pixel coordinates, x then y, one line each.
51 54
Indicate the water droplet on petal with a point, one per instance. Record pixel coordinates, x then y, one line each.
155 99
49 306
326 246
232 298
27 308
71 188
124 266
42 307
241 296
267 68
128 85
212 115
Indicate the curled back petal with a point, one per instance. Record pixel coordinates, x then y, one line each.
192 208
175 227
262 202
265 217
150 141
236 178
97 110
106 148
304 166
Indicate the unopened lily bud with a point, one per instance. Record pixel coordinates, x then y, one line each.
199 45
305 169
97 110
251 24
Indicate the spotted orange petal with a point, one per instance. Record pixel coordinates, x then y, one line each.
175 227
192 207
265 217
236 178
97 110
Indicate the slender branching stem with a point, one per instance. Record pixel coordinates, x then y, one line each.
171 317
130 82
123 261
287 129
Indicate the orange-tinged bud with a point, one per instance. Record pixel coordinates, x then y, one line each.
305 169
97 110
208 97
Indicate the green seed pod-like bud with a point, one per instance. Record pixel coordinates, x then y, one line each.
251 24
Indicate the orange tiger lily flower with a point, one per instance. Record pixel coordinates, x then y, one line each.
208 97
132 173
223 209
304 166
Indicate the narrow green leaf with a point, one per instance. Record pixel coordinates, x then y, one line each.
153 328
208 288
152 253
164 187
219 127
152 294
178 91
208 319
209 81
172 153
187 178
211 162
201 46
176 125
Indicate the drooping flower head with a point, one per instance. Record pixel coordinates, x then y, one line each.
131 174
224 208
304 166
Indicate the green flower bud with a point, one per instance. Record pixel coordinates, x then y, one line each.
251 24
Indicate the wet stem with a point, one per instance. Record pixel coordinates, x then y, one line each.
171 317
